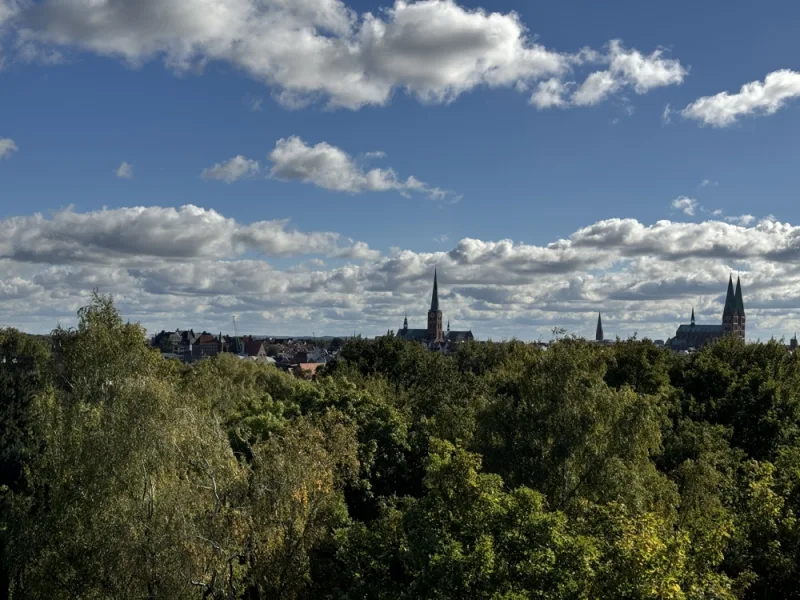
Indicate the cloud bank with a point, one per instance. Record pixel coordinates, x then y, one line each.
192 267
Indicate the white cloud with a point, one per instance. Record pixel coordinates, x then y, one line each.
232 170
332 168
632 69
666 116
709 182
441 239
139 235
741 219
550 94
434 50
125 170
754 98
597 87
185 268
686 205
7 148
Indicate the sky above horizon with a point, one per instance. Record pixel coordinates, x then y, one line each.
305 164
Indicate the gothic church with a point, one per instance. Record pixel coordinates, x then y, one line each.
433 335
733 323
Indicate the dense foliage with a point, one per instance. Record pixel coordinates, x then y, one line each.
504 471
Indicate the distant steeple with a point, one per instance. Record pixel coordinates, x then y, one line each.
434 314
448 325
738 297
405 322
598 335
730 300
693 315
435 296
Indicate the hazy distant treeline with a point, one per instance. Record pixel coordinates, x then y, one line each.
504 472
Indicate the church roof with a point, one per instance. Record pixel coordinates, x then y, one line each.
598 336
685 329
413 334
458 336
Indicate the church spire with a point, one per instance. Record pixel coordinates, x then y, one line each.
405 322
598 335
435 296
730 300
693 315
434 314
738 297
448 325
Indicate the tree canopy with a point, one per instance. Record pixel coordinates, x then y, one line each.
505 471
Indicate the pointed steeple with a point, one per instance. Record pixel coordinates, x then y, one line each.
730 300
598 335
693 315
435 296
448 325
738 297
405 322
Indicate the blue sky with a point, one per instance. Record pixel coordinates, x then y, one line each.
76 106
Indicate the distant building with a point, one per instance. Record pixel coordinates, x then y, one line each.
598 334
205 346
433 335
733 323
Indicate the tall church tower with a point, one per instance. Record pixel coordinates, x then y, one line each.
598 334
739 317
435 315
729 312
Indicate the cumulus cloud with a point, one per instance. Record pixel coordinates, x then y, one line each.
754 98
332 168
550 94
687 206
191 267
434 50
125 170
741 219
142 234
7 148
629 69
232 170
